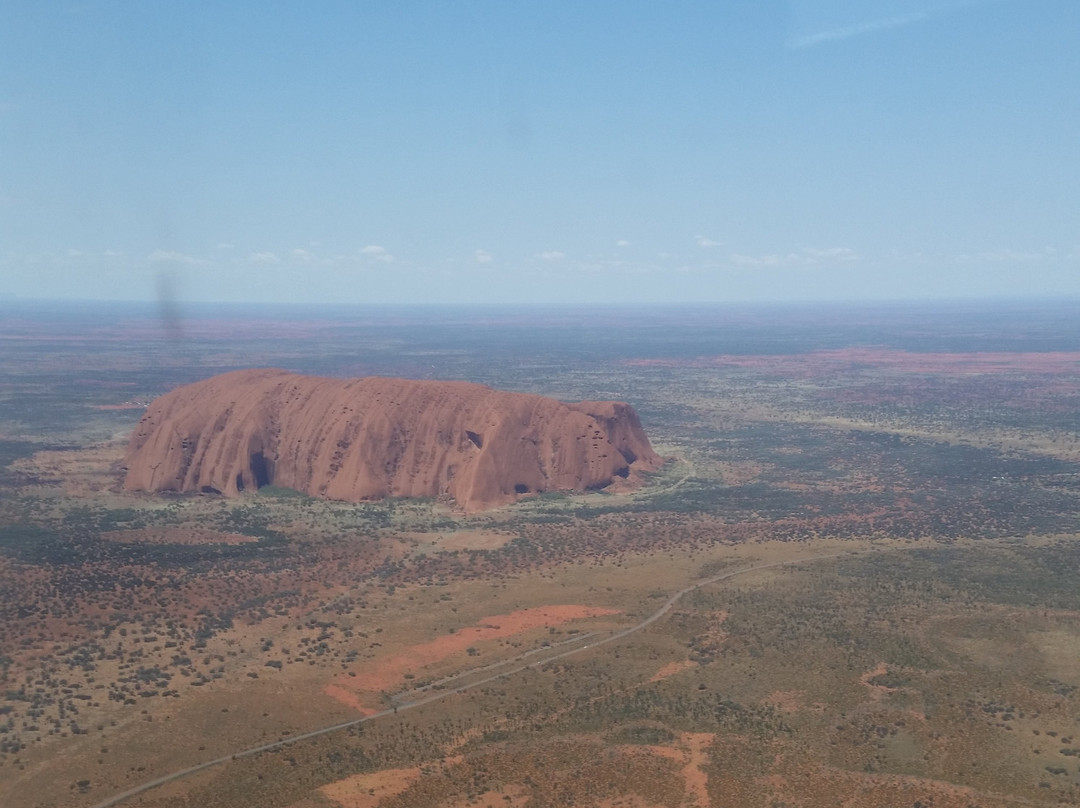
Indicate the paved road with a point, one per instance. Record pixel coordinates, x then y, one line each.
440 694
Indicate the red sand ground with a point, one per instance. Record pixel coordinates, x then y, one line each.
368 790
388 674
691 750
877 692
825 362
786 701
671 669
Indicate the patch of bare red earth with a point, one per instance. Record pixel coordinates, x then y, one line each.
819 363
369 790
820 785
690 751
671 669
360 688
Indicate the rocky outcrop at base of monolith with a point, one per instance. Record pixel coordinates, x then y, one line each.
374 437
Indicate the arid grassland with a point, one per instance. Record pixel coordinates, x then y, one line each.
887 499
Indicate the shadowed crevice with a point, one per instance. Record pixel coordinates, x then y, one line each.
259 470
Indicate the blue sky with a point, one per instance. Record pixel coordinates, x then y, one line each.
494 152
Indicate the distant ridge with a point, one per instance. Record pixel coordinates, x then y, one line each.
374 437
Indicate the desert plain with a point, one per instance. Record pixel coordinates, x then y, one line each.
881 507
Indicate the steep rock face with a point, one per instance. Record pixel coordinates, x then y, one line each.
375 437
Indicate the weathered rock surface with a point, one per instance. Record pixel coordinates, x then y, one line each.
374 437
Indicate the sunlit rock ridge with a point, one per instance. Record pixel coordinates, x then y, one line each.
374 437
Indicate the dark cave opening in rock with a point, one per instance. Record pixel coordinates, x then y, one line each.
260 470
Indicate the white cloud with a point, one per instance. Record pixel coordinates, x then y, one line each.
816 254
552 255
75 253
171 257
769 260
622 243
483 257
299 255
224 246
265 257
112 253
809 256
819 22
848 31
702 241
377 253
1009 256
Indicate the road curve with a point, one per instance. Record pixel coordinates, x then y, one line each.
408 705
